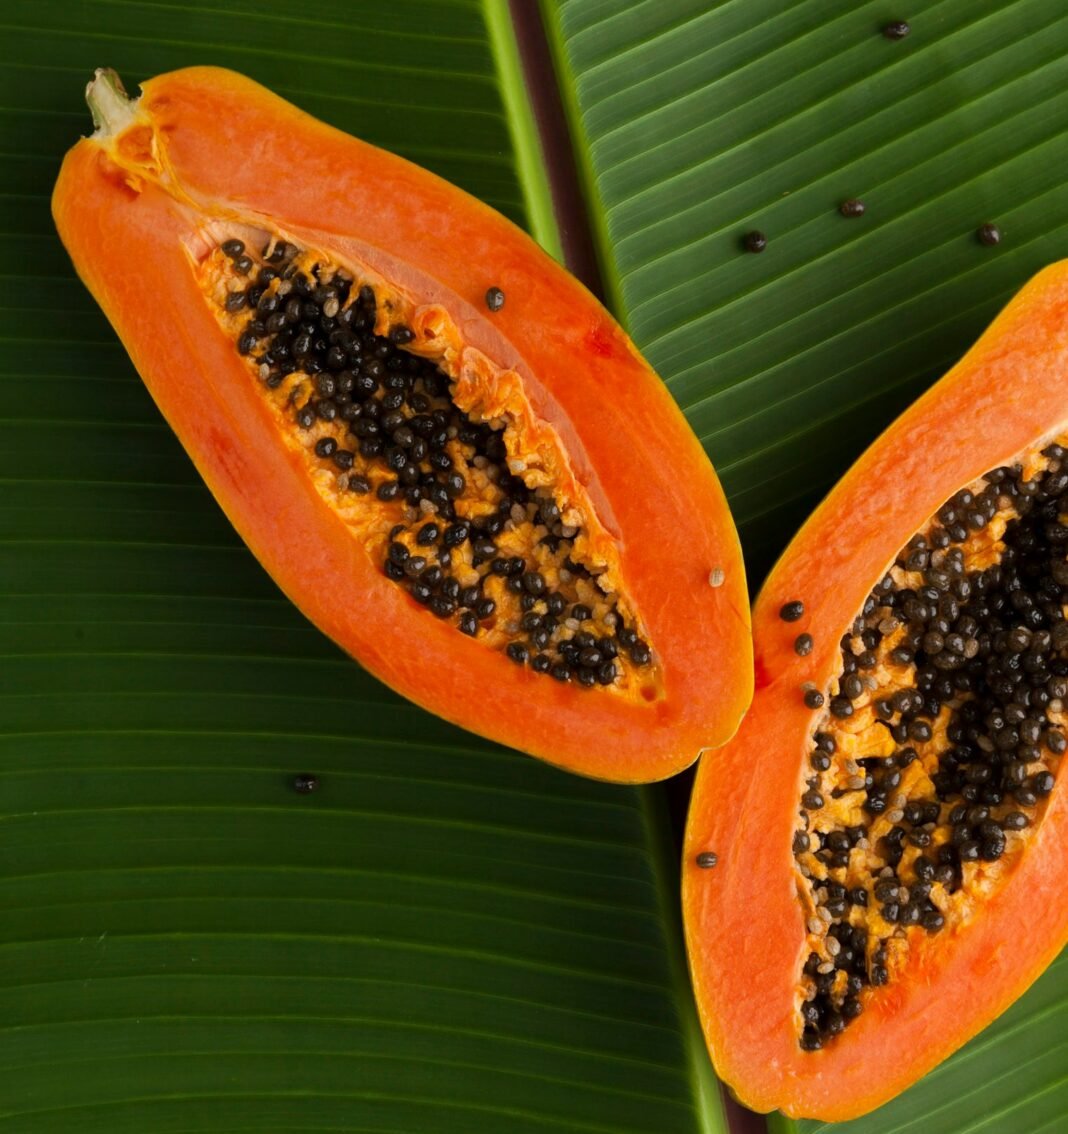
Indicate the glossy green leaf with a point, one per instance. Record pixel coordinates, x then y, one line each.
698 122
447 936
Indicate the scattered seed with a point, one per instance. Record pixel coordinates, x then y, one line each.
754 241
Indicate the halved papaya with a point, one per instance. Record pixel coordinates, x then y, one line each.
875 865
438 443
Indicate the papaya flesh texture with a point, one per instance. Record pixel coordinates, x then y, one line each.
891 822
438 443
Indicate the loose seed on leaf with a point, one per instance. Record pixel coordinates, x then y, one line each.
754 241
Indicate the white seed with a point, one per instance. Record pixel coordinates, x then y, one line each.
834 946
815 925
331 307
716 577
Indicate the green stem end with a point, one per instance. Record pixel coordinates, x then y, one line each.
112 108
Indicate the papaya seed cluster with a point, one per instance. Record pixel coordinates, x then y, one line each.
456 525
940 738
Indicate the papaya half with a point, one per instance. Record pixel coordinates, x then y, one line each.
875 865
438 443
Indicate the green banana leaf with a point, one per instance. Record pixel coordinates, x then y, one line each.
448 936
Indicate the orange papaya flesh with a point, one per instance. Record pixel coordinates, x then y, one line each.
890 823
440 445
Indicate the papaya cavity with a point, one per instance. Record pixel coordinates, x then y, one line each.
941 738
440 469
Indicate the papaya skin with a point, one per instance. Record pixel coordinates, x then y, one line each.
208 146
745 930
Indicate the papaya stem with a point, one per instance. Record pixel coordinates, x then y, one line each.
111 107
